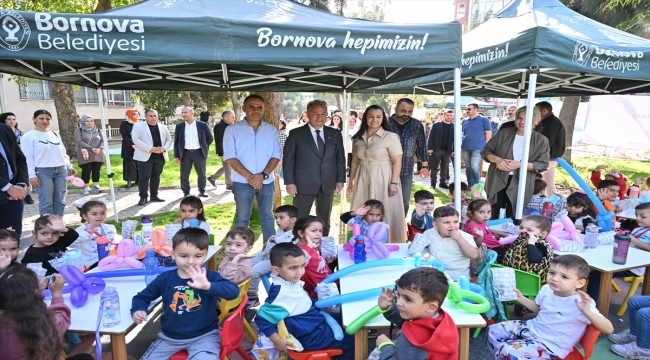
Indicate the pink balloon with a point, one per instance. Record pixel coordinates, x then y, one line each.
356 230
508 239
379 250
392 247
125 253
554 241
75 181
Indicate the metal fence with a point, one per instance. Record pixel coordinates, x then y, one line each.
42 90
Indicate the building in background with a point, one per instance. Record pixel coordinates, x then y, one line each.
472 13
23 100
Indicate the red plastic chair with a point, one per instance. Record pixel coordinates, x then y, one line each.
232 334
412 230
587 342
324 354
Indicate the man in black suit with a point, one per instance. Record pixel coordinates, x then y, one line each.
13 180
192 141
441 148
314 164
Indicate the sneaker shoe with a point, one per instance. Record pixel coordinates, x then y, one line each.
622 338
252 302
86 191
211 180
98 188
631 351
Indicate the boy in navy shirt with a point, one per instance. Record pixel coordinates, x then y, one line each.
190 296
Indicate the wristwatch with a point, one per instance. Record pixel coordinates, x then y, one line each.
394 183
425 167
265 175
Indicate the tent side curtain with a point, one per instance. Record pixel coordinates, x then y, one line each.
275 45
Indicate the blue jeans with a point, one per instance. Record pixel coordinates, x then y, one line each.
472 160
51 193
638 309
407 183
244 194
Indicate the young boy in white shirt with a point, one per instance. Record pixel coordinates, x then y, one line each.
562 314
447 243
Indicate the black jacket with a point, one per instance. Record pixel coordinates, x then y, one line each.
219 130
553 129
16 160
435 138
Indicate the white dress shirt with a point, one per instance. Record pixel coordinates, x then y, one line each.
313 134
191 136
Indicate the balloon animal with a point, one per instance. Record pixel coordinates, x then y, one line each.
79 286
159 244
125 253
376 232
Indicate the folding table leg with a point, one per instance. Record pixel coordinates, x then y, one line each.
361 344
118 346
463 346
605 292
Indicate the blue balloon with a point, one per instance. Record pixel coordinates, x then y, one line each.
351 297
604 217
128 272
366 265
498 221
334 325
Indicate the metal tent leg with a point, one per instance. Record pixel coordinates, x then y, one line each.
100 97
523 171
457 140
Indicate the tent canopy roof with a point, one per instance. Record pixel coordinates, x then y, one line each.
270 45
576 56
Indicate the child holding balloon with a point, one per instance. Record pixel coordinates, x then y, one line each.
371 212
29 329
191 208
93 215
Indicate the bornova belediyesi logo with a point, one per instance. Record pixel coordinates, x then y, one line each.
589 55
15 31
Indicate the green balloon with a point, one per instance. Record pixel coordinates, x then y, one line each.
362 320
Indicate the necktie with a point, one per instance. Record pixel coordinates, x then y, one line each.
321 144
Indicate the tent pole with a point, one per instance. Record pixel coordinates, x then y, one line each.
346 125
100 97
528 130
457 140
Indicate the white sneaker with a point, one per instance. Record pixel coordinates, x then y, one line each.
631 351
97 187
86 191
622 338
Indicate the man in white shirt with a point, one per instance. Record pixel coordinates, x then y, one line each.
191 145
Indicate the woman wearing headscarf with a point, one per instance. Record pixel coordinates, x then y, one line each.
90 151
129 166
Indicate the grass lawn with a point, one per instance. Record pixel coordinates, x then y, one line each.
169 177
583 166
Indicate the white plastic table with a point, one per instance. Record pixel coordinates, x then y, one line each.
386 276
600 259
84 319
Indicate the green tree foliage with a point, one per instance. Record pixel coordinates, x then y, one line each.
325 5
164 101
370 10
628 15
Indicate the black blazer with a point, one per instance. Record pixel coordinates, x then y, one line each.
15 159
219 130
127 142
303 166
205 138
435 138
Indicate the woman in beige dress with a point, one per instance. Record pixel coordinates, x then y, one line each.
374 173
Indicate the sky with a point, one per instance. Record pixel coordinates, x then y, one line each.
415 11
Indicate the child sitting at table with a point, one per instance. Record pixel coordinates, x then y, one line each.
52 240
426 331
607 192
640 239
580 210
309 232
479 212
634 344
371 212
537 201
236 265
447 243
191 207
614 176
421 217
285 218
29 329
288 301
562 314
190 296
9 247
531 252
464 201
93 215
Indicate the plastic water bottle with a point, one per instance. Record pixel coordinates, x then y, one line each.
102 247
359 250
110 302
150 266
147 228
73 258
621 245
547 210
634 192
591 236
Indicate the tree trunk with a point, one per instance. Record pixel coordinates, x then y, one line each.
236 104
66 114
568 115
272 111
339 100
185 99
103 5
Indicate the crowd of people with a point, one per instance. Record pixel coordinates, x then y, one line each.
382 151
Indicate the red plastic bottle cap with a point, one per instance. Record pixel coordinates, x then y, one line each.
101 240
